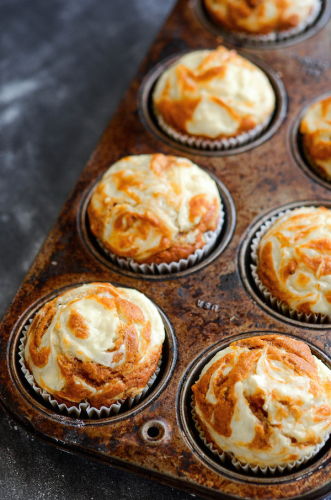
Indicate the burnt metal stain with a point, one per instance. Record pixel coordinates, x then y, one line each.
155 406
228 282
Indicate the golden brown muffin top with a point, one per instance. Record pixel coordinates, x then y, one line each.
260 17
316 129
294 260
265 399
95 343
154 208
213 94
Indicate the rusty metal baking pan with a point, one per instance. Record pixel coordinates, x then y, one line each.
207 307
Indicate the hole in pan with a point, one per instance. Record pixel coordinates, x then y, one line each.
238 42
245 261
222 241
154 432
169 356
148 118
194 441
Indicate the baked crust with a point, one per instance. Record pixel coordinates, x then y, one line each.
259 17
95 343
294 260
315 128
202 95
154 208
266 400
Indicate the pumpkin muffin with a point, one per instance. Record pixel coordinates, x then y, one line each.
265 401
96 344
294 260
263 17
154 208
214 95
315 128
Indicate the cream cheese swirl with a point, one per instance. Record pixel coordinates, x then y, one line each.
266 400
294 260
261 16
95 343
213 94
154 208
316 130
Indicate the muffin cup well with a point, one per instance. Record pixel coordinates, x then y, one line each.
248 467
279 36
85 408
173 267
212 144
276 304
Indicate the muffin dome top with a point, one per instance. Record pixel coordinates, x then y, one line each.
213 94
294 260
96 343
265 399
260 16
316 130
154 208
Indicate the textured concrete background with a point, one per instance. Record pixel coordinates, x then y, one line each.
64 66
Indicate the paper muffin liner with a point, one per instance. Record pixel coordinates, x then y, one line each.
173 267
248 467
279 36
276 304
77 410
213 144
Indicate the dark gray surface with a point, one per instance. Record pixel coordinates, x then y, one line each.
64 66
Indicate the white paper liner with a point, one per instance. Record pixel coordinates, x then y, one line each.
74 411
248 467
278 36
213 144
274 302
173 267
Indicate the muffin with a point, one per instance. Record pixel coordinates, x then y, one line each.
294 260
154 209
264 401
96 344
315 128
214 96
263 17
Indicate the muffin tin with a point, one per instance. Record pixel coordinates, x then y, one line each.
205 307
